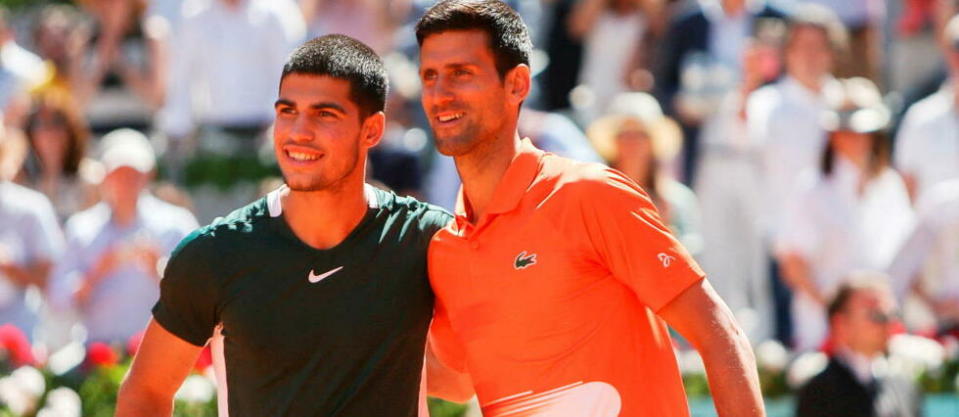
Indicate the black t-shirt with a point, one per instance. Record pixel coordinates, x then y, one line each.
309 332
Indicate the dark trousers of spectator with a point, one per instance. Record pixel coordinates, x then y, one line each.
690 153
782 304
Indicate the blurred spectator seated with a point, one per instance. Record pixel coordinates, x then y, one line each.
118 247
858 382
30 241
927 145
58 138
853 215
638 140
373 22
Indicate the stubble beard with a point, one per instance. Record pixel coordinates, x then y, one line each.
320 182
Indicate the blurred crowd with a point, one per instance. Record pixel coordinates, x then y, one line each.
789 144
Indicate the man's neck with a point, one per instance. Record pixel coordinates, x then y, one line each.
323 219
811 83
482 169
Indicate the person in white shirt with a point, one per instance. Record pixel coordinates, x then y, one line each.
225 64
928 263
782 119
30 241
730 192
854 215
927 146
117 247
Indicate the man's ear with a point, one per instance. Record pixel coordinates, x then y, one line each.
518 83
372 130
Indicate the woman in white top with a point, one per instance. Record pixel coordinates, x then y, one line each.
852 216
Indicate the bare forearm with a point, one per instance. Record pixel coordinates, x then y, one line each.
733 381
134 402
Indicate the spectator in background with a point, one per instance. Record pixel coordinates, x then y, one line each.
373 22
699 63
928 263
783 120
608 71
863 19
225 64
62 39
927 146
853 216
20 72
854 384
118 246
637 139
729 188
30 241
58 138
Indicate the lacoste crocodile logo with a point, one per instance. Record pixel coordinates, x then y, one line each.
665 259
523 261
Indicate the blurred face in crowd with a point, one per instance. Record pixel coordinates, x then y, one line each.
853 146
733 6
633 144
463 95
49 137
122 186
809 54
864 325
320 138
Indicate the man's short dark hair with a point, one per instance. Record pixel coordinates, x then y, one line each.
508 37
855 282
345 58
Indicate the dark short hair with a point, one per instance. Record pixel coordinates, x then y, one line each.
855 282
345 58
508 36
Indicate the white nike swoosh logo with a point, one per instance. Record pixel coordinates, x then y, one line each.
317 278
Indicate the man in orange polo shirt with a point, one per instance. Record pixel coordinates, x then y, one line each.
552 281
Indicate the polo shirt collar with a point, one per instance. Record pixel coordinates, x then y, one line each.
511 188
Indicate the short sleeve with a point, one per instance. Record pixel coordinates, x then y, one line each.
630 239
188 297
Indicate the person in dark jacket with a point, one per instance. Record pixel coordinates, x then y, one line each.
854 383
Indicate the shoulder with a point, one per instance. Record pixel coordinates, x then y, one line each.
586 184
429 216
941 198
927 110
24 201
222 232
170 215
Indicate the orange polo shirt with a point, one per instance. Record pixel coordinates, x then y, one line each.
548 300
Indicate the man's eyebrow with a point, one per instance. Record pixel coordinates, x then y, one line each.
328 105
315 106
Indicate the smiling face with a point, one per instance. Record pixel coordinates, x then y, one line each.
319 137
463 95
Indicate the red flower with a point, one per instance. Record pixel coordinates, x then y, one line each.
204 360
17 346
133 345
101 354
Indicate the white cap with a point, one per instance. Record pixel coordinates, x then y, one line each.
127 148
